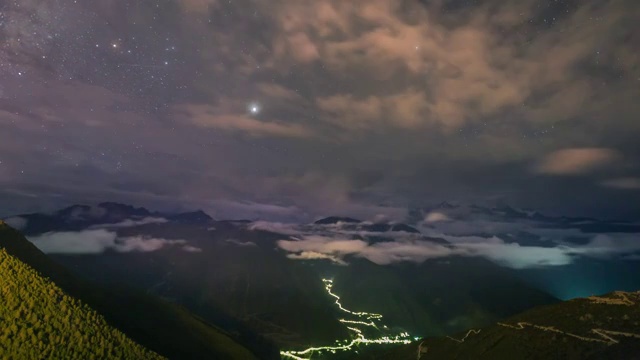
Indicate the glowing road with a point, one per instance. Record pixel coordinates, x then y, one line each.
354 326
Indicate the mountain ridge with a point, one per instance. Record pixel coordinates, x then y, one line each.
156 324
40 320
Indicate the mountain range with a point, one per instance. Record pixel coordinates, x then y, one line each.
230 287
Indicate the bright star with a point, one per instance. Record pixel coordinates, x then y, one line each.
254 108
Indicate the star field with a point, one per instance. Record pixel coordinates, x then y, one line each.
290 110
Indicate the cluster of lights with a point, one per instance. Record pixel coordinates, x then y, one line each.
347 345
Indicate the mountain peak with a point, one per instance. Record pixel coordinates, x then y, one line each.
446 205
114 206
336 219
404 228
192 216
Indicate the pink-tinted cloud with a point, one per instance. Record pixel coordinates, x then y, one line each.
576 161
208 116
624 183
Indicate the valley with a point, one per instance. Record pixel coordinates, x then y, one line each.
263 290
384 337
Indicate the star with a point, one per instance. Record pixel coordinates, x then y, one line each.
254 108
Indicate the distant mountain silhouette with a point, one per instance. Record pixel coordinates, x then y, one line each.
80 217
336 219
234 272
198 216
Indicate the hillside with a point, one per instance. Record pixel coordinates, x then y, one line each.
437 298
252 283
598 327
158 325
39 320
238 269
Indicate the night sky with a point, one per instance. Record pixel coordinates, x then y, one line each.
284 109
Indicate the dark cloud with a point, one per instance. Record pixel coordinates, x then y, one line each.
363 108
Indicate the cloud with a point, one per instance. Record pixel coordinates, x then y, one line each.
402 85
208 116
252 210
192 249
608 245
576 161
144 244
463 228
333 243
331 195
278 92
312 255
17 222
275 227
323 244
626 183
379 253
297 46
407 110
385 253
435 216
132 223
201 7
98 241
82 242
241 243
517 256
473 63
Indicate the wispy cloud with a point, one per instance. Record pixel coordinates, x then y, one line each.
312 255
191 249
626 183
97 241
436 216
335 243
241 243
275 227
131 223
17 222
210 117
384 253
576 161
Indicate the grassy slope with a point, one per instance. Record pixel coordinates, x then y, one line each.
39 320
156 324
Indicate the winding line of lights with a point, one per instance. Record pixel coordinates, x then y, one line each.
328 285
472 331
402 338
359 322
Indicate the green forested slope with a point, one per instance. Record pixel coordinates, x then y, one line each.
38 320
158 325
